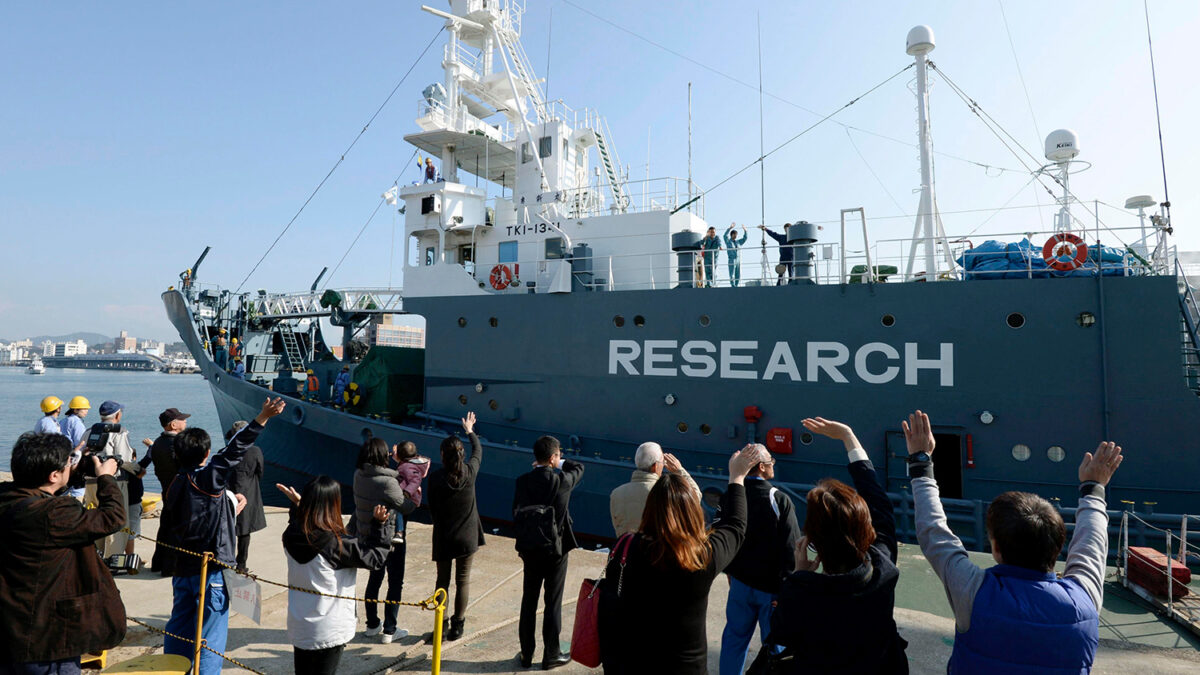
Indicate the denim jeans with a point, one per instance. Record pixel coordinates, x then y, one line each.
183 619
745 608
61 667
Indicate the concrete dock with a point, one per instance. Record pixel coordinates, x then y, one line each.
1132 638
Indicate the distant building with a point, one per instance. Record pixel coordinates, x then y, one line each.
13 353
125 343
385 333
47 348
76 348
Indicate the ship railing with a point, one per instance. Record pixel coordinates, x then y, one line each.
459 53
654 194
439 115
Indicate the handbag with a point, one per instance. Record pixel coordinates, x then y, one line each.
585 636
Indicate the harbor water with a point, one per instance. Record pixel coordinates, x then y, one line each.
144 395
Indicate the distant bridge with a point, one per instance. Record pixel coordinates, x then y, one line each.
106 362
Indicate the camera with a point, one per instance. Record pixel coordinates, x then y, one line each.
95 446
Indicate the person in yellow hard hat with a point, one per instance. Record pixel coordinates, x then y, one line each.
48 424
313 386
73 428
235 348
220 353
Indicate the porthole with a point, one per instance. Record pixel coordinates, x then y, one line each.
888 320
705 429
1086 319
298 414
462 398
462 322
1055 453
618 321
367 435
493 322
682 427
639 321
704 320
217 377
493 405
1015 320
1021 452
806 438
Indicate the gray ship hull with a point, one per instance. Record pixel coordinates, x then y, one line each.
605 371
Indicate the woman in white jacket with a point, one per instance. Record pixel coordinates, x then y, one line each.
323 557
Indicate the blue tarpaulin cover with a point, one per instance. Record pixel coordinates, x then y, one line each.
1021 260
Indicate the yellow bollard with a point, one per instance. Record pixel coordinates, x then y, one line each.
439 615
200 613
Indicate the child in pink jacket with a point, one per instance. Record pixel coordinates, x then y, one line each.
411 471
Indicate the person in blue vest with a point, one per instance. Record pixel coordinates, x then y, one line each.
340 384
239 368
732 246
1018 616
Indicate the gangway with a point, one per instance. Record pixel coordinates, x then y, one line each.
327 303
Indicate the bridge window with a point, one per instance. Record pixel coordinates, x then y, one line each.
430 255
554 248
545 145
526 153
508 252
466 258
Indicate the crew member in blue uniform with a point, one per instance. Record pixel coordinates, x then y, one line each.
48 424
732 246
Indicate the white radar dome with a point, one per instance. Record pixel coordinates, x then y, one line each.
1062 145
920 41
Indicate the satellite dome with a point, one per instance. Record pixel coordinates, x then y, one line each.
920 40
1062 145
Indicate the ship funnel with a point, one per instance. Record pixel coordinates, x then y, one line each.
920 41
1062 145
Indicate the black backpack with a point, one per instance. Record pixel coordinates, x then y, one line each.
537 530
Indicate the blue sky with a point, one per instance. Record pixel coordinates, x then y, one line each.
134 134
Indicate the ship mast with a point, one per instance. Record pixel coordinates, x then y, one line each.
927 232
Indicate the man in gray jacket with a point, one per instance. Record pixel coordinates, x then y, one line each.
1018 616
627 501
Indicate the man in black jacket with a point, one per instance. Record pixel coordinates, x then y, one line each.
766 556
200 517
58 601
549 484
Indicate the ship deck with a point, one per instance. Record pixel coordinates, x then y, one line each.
1133 638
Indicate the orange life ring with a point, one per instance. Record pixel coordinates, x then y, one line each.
1057 252
501 277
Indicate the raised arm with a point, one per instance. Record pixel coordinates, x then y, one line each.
672 464
866 482
476 458
70 524
1088 551
729 530
215 475
943 550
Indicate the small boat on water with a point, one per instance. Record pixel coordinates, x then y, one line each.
36 367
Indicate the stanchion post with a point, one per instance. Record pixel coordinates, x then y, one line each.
439 614
200 614
1170 580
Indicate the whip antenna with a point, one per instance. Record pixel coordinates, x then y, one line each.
1166 202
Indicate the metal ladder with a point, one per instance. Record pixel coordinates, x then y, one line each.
1189 331
291 346
524 73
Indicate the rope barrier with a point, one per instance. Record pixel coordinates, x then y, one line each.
435 603
428 604
161 631
1188 545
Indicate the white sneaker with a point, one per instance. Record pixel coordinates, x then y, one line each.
372 632
398 635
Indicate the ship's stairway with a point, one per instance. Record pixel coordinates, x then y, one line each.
291 346
1189 331
612 165
524 72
